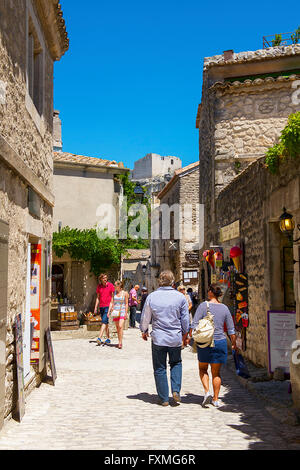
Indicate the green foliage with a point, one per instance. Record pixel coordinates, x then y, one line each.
273 156
295 37
128 188
290 136
85 245
95 246
237 167
277 41
288 146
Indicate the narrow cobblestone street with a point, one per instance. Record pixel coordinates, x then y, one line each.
105 398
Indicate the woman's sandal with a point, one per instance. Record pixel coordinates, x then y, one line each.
120 346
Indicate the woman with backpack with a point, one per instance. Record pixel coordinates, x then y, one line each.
214 354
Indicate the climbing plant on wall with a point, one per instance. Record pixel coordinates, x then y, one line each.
288 145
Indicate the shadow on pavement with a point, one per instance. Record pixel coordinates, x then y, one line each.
256 422
146 397
150 398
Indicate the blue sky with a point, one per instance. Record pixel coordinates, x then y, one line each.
131 81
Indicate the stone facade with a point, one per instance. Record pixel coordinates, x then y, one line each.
26 165
258 210
246 102
169 250
153 165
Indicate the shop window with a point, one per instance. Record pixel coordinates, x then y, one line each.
34 203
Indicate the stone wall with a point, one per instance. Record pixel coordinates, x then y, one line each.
184 190
251 198
249 118
31 143
246 101
25 161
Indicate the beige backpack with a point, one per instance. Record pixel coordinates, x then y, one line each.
203 335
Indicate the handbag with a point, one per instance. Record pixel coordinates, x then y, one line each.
203 335
117 313
240 365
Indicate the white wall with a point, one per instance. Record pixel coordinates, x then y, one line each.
79 194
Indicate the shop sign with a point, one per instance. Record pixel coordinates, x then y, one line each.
35 299
281 335
192 258
229 232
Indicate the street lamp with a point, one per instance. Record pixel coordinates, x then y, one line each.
139 192
144 268
287 225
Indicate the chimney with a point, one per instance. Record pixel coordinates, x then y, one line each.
57 132
228 55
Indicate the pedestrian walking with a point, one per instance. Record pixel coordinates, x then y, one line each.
133 302
194 298
144 297
217 355
104 291
168 311
119 310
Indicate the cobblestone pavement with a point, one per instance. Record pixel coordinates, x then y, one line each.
105 398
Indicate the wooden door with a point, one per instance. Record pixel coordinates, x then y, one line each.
3 312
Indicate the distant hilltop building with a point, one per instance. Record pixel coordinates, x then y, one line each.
153 165
154 171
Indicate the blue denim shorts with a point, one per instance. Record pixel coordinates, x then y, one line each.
216 355
103 314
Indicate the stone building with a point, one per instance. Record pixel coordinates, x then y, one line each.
246 101
87 195
134 268
32 37
175 243
153 172
153 165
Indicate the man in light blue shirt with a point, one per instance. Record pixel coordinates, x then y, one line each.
167 310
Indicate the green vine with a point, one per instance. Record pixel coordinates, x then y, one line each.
288 146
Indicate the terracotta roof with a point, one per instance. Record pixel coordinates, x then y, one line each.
255 81
64 157
253 56
177 174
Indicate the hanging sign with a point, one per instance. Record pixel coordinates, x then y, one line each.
35 299
229 232
20 368
241 300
